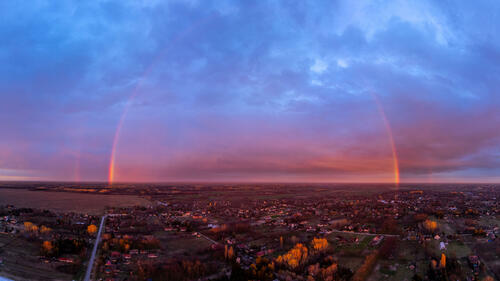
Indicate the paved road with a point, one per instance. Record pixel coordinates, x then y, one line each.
365 233
94 250
208 238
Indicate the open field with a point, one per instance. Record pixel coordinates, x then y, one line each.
178 244
20 261
66 201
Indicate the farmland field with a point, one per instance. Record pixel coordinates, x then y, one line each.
67 201
20 261
178 244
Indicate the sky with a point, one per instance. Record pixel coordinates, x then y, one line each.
288 91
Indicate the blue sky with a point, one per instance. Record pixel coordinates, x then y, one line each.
249 90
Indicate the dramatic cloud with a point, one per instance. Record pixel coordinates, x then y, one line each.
250 90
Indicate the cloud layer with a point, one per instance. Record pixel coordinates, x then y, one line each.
250 90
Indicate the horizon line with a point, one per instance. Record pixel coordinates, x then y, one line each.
104 182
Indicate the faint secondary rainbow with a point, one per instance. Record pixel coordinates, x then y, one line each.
116 137
387 125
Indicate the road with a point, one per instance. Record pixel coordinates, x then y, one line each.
364 233
208 238
94 250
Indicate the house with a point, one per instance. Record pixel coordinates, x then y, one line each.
115 254
376 240
474 262
66 260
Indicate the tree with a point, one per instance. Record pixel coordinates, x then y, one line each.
295 257
430 225
237 273
319 244
416 278
262 270
47 248
45 230
442 262
420 217
366 268
388 247
29 226
328 273
92 229
390 226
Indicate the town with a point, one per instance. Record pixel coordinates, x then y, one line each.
262 232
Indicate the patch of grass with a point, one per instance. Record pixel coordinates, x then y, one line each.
188 244
352 263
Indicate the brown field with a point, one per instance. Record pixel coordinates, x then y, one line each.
67 201
20 261
179 244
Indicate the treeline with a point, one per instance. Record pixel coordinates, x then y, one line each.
61 247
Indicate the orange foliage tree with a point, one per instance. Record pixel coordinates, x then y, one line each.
442 263
430 225
327 273
29 226
295 257
45 230
92 229
319 244
47 247
228 252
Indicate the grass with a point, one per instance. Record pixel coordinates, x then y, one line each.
353 248
175 244
352 263
445 227
455 248
383 273
489 222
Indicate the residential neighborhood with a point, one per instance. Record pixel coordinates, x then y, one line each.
226 233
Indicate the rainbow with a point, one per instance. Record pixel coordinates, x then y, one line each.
395 161
116 137
112 159
387 125
111 169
